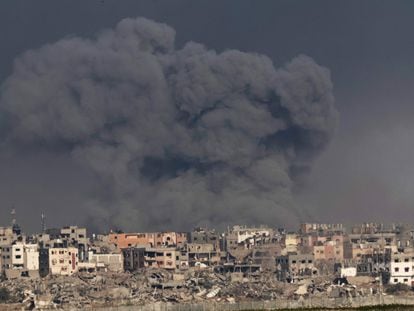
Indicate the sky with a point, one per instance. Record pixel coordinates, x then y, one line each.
364 172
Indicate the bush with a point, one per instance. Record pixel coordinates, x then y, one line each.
4 295
397 288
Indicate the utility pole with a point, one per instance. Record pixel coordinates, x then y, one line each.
13 215
43 223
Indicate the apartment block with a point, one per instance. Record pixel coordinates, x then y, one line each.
202 254
294 266
248 237
402 268
153 239
62 261
165 258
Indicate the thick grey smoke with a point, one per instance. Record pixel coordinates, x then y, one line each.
175 137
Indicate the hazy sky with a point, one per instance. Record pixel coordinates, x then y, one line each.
365 174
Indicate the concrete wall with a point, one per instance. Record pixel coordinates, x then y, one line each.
331 303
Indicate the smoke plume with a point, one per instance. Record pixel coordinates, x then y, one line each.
176 137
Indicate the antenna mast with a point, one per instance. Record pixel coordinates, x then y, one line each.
43 224
13 216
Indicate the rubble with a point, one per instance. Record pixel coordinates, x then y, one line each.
99 289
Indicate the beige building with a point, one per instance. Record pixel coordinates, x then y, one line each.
6 236
202 253
108 262
63 261
331 250
291 242
248 237
316 228
76 237
148 239
165 258
293 267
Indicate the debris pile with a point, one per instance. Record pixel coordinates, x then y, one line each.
155 285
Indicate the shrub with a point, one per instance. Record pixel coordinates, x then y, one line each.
4 295
397 288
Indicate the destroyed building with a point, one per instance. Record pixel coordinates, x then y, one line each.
134 258
165 258
106 262
59 261
294 267
151 239
204 236
202 254
7 236
308 228
248 237
76 237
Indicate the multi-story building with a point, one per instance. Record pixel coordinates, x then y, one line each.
165 258
291 241
248 237
76 237
6 236
153 239
20 256
134 258
204 236
330 249
402 268
108 262
306 228
59 261
362 244
367 228
202 253
294 266
19 259
404 236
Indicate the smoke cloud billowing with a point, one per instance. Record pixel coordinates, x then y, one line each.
175 137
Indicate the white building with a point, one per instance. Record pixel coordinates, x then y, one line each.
402 268
348 272
241 235
31 257
20 256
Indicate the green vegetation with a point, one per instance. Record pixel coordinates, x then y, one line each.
397 288
4 295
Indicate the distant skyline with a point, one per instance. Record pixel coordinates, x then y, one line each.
364 174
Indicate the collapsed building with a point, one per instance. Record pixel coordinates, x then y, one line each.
174 261
294 267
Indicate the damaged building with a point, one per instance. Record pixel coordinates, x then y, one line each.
294 267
